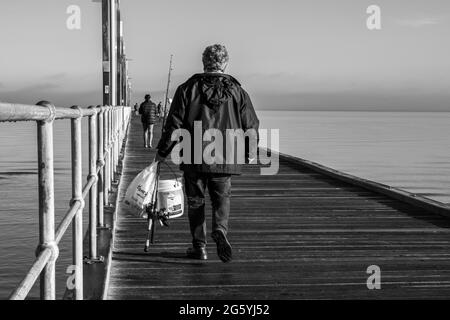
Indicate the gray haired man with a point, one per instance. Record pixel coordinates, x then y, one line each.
219 102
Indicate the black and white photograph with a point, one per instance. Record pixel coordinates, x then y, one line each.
224 155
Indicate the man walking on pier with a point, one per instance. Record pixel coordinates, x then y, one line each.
147 111
218 101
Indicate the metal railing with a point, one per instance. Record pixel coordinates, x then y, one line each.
107 131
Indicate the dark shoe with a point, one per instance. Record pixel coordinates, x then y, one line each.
223 246
197 253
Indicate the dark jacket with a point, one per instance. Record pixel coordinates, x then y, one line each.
219 102
147 111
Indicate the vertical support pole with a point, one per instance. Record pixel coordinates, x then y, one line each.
119 133
108 155
113 50
119 126
119 123
123 123
113 150
116 139
122 130
106 53
77 195
111 153
101 164
93 191
124 74
46 201
119 57
108 146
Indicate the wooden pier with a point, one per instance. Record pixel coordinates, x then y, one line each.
305 233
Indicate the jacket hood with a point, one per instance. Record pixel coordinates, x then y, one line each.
216 88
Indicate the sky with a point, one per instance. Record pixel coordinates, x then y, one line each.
288 54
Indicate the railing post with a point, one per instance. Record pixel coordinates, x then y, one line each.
107 155
120 127
113 144
101 164
116 137
77 195
46 201
93 191
123 123
111 153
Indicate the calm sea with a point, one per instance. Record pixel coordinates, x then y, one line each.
406 150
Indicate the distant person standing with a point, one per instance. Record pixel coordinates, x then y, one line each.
159 108
136 109
147 110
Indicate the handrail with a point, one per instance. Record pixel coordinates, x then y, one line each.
67 220
23 112
107 131
27 283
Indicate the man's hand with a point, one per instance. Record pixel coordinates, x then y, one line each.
251 160
159 158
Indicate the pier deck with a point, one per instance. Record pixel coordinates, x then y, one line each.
299 234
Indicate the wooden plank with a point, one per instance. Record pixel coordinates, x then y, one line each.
402 195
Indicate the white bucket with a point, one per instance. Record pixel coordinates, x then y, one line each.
171 198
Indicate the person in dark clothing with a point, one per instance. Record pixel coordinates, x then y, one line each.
147 110
159 109
219 102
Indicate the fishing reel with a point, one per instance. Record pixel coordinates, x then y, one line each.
154 215
161 215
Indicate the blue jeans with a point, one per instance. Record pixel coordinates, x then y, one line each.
219 188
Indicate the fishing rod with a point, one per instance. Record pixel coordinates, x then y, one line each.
152 214
167 92
152 211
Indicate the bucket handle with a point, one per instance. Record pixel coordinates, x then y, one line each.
171 170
